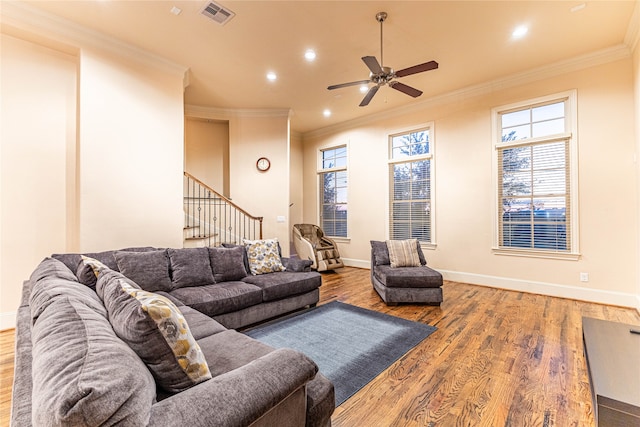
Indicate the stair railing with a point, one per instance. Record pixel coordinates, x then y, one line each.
212 217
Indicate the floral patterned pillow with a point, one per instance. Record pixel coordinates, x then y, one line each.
264 256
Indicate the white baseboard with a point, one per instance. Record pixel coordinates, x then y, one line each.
621 299
350 262
7 320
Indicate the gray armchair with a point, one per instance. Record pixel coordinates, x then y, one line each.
311 243
419 284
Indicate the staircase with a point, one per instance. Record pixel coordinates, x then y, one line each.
210 219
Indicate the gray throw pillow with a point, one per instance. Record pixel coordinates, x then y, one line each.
150 270
381 253
190 267
156 331
228 263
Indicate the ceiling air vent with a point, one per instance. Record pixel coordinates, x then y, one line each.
218 13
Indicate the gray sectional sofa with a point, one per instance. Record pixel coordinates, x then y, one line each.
91 351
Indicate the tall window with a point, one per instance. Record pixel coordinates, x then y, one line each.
333 191
534 160
410 180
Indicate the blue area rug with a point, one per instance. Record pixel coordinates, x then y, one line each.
351 345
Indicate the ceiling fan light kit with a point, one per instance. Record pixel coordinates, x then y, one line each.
380 75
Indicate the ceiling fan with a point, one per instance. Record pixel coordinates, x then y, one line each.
381 75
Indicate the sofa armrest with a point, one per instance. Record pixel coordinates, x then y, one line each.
296 264
238 397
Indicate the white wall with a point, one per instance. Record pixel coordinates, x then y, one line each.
37 181
254 134
464 189
207 152
295 185
92 149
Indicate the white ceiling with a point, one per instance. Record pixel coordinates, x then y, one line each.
471 40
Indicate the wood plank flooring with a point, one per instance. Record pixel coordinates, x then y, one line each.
498 358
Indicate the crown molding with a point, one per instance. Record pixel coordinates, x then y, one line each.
214 113
633 30
20 19
577 63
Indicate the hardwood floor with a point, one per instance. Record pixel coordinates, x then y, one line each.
498 358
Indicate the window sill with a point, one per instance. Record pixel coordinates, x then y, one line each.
340 239
430 246
536 254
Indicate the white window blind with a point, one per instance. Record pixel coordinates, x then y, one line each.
535 178
410 193
333 191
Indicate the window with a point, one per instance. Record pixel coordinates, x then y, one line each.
410 182
535 163
333 191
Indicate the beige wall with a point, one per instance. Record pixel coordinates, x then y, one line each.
37 173
636 76
254 134
263 194
295 185
464 189
87 171
207 152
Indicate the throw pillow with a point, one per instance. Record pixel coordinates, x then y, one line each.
227 263
403 253
150 270
190 267
156 331
263 256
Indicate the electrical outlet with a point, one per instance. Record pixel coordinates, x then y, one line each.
584 277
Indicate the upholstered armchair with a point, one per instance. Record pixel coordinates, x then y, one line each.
399 273
311 243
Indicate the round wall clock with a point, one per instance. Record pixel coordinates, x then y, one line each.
263 164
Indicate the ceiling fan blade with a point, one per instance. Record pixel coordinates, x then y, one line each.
369 95
373 64
406 89
359 82
431 65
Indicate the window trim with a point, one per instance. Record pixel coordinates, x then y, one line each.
432 245
319 172
571 133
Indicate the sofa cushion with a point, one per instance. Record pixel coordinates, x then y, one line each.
232 350
245 258
227 263
200 325
72 384
52 280
408 277
156 330
283 284
150 270
403 253
190 267
220 298
263 256
72 261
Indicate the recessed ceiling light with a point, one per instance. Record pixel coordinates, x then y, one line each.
364 88
520 32
271 76
326 113
310 55
176 10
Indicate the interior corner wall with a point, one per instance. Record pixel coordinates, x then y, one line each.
636 75
131 154
295 185
38 123
263 194
608 187
207 152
